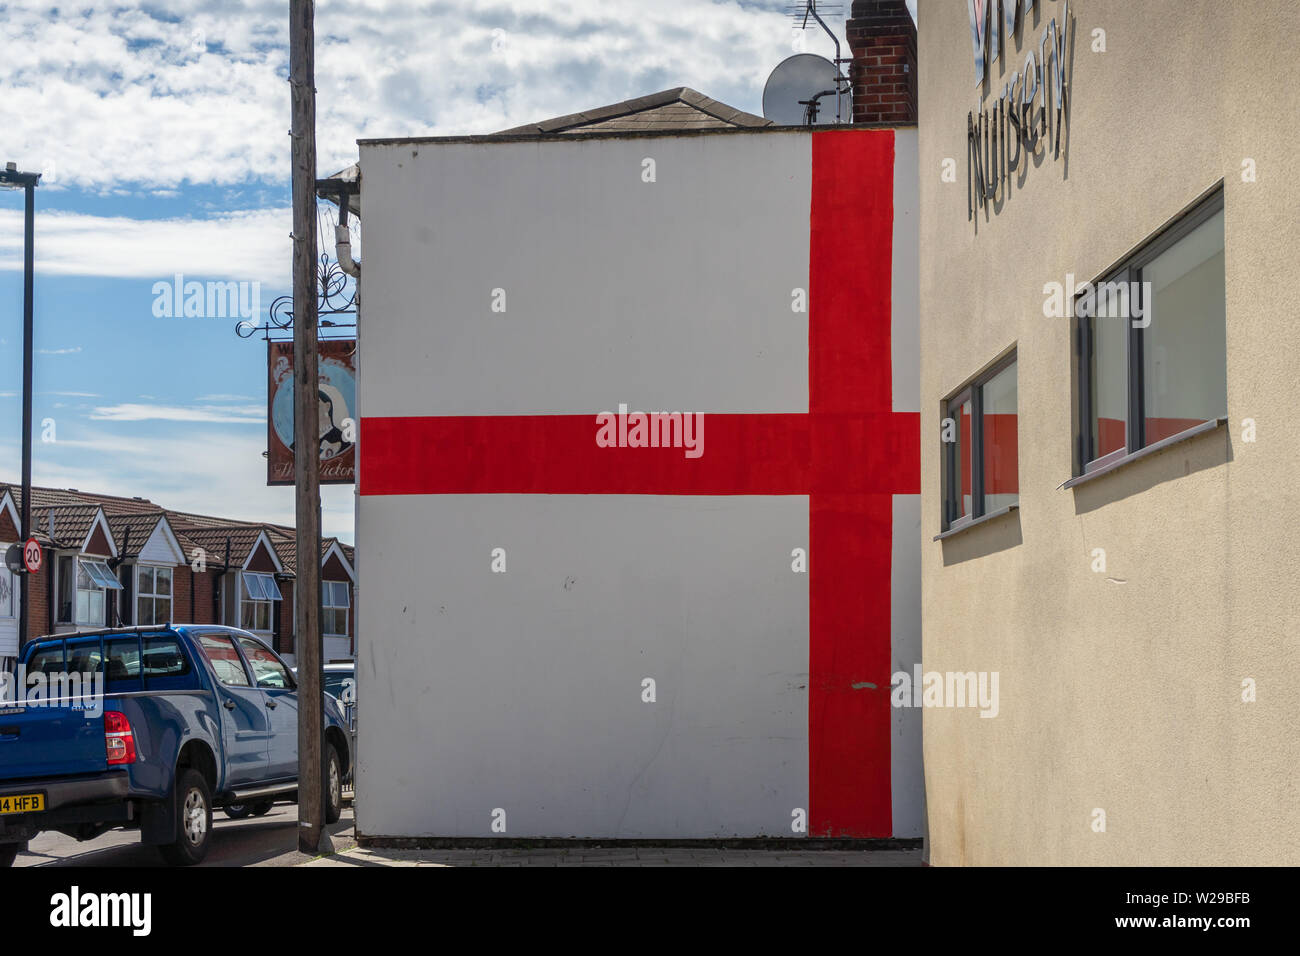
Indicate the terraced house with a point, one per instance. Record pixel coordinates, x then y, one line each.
115 561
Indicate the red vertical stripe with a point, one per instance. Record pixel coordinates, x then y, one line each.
850 269
850 371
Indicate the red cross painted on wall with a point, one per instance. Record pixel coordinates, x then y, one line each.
849 454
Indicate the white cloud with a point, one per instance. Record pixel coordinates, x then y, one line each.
140 104
227 414
68 351
116 99
251 245
215 472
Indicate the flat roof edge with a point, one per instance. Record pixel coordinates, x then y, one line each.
623 134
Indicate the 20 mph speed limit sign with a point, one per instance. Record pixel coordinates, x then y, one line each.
32 555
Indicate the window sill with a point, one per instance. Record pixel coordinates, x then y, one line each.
976 522
1213 424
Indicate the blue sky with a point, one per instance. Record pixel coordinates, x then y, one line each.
161 131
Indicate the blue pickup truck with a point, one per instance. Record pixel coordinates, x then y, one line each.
185 718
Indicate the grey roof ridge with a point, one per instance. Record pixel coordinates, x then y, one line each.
683 94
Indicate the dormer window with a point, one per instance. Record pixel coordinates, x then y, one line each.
255 608
94 580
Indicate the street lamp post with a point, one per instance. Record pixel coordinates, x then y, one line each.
11 178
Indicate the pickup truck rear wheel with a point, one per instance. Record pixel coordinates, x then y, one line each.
193 820
8 853
333 785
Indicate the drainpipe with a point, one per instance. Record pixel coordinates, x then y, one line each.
343 251
343 237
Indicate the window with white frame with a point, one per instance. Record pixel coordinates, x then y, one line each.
94 581
334 608
260 590
153 595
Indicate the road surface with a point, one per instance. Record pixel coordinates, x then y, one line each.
271 840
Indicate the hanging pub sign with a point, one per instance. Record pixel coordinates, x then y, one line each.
1029 113
338 396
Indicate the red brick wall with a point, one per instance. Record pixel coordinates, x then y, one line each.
284 611
201 607
882 37
8 531
183 595
38 602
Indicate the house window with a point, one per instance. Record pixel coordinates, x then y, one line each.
1151 343
980 458
153 595
334 608
255 608
94 580
8 593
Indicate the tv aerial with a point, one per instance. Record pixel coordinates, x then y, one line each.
798 91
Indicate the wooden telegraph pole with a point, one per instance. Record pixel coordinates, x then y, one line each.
306 427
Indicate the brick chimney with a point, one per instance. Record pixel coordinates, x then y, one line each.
882 37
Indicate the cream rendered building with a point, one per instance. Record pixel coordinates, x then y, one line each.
1144 623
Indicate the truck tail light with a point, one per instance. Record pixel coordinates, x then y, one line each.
119 739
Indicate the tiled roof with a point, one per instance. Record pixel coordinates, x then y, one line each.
65 526
43 497
132 531
214 540
286 549
112 504
74 513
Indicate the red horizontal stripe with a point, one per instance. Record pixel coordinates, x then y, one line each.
558 454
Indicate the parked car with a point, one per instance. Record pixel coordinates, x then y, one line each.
191 718
341 684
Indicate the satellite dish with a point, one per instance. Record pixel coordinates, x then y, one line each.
802 85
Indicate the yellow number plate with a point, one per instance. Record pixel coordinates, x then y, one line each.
22 803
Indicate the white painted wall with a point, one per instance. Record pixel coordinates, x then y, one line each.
161 548
673 294
523 691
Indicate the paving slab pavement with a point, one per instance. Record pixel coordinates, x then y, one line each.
360 857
